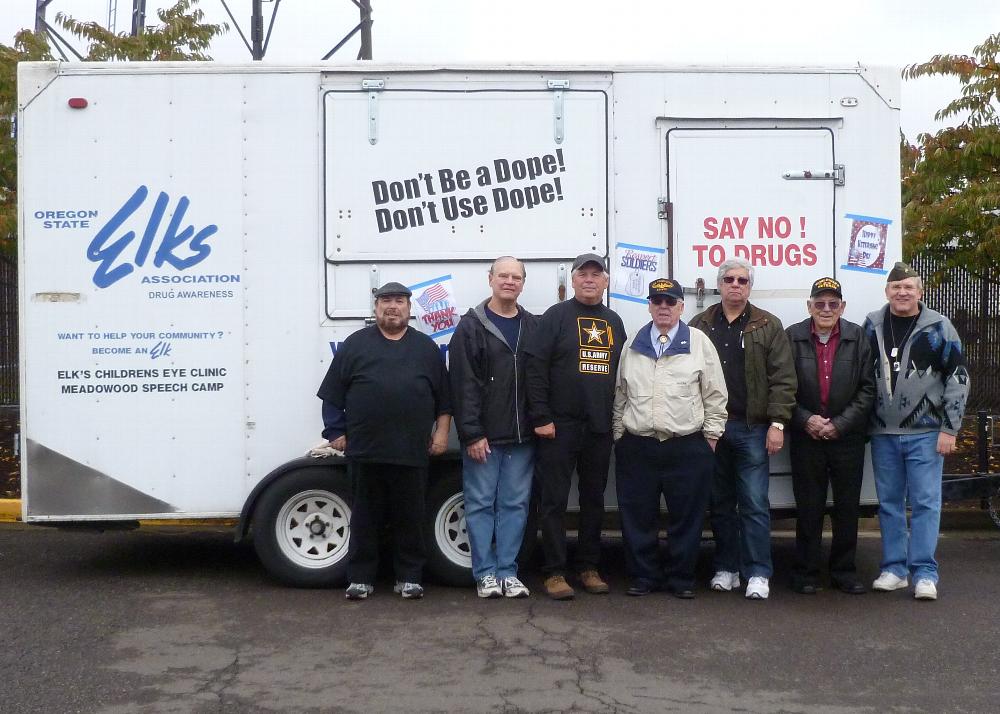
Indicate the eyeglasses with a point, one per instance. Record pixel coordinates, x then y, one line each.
730 279
827 304
670 300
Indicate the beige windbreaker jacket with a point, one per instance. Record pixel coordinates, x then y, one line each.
682 392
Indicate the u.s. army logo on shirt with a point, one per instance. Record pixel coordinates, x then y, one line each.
596 340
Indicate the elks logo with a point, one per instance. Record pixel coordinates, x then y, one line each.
596 340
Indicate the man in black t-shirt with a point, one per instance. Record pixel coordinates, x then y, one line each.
572 361
385 388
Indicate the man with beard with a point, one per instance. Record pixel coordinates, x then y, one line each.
386 387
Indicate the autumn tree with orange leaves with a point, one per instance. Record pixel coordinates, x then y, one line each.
951 179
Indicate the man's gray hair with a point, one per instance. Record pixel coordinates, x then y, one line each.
524 271
731 264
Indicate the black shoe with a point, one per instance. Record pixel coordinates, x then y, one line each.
851 587
805 588
638 588
682 593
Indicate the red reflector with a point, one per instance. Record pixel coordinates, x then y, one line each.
78 103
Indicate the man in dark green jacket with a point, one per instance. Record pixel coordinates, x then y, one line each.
760 377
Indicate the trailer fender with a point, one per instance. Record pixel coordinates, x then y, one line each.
246 515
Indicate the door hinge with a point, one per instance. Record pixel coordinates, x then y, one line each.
558 117
374 86
837 175
664 209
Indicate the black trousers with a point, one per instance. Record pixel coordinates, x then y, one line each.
399 491
681 469
575 446
815 466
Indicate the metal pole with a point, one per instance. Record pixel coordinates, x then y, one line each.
138 17
40 6
366 30
257 31
983 440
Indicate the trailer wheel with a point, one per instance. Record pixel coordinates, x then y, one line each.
993 503
449 555
301 527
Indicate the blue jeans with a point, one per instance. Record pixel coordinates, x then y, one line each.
496 507
908 467
741 511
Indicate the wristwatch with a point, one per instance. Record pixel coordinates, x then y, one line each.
778 425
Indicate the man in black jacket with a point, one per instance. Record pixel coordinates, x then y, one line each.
836 390
572 362
490 407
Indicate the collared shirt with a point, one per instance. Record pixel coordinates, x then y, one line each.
654 338
728 340
824 362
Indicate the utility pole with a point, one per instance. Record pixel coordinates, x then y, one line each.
138 17
257 30
40 24
365 52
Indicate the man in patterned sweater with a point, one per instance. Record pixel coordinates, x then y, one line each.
923 384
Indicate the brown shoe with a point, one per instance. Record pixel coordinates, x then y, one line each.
593 583
557 588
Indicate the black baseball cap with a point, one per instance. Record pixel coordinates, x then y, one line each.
665 286
582 260
393 289
826 285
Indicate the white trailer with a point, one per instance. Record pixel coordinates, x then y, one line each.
195 239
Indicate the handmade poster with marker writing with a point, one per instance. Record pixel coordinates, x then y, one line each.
633 268
867 248
434 306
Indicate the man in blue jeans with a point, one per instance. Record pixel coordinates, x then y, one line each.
923 384
490 408
760 379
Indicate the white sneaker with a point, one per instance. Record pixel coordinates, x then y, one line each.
409 591
359 591
925 590
488 587
724 581
758 588
513 588
887 582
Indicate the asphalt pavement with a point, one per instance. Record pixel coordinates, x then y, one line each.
167 619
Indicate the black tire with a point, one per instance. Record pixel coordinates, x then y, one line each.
449 559
300 527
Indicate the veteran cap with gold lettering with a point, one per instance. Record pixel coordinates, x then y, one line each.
826 285
665 286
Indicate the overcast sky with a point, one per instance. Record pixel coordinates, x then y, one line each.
739 32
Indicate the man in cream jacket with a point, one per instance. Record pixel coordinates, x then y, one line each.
669 412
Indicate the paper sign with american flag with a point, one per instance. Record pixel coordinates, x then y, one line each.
434 306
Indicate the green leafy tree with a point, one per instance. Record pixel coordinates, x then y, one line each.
181 35
27 46
951 179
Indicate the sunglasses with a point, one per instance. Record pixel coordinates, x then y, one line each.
730 279
670 300
827 304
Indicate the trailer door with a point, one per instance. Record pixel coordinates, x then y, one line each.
763 194
429 185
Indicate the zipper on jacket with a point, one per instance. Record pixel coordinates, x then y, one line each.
517 417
